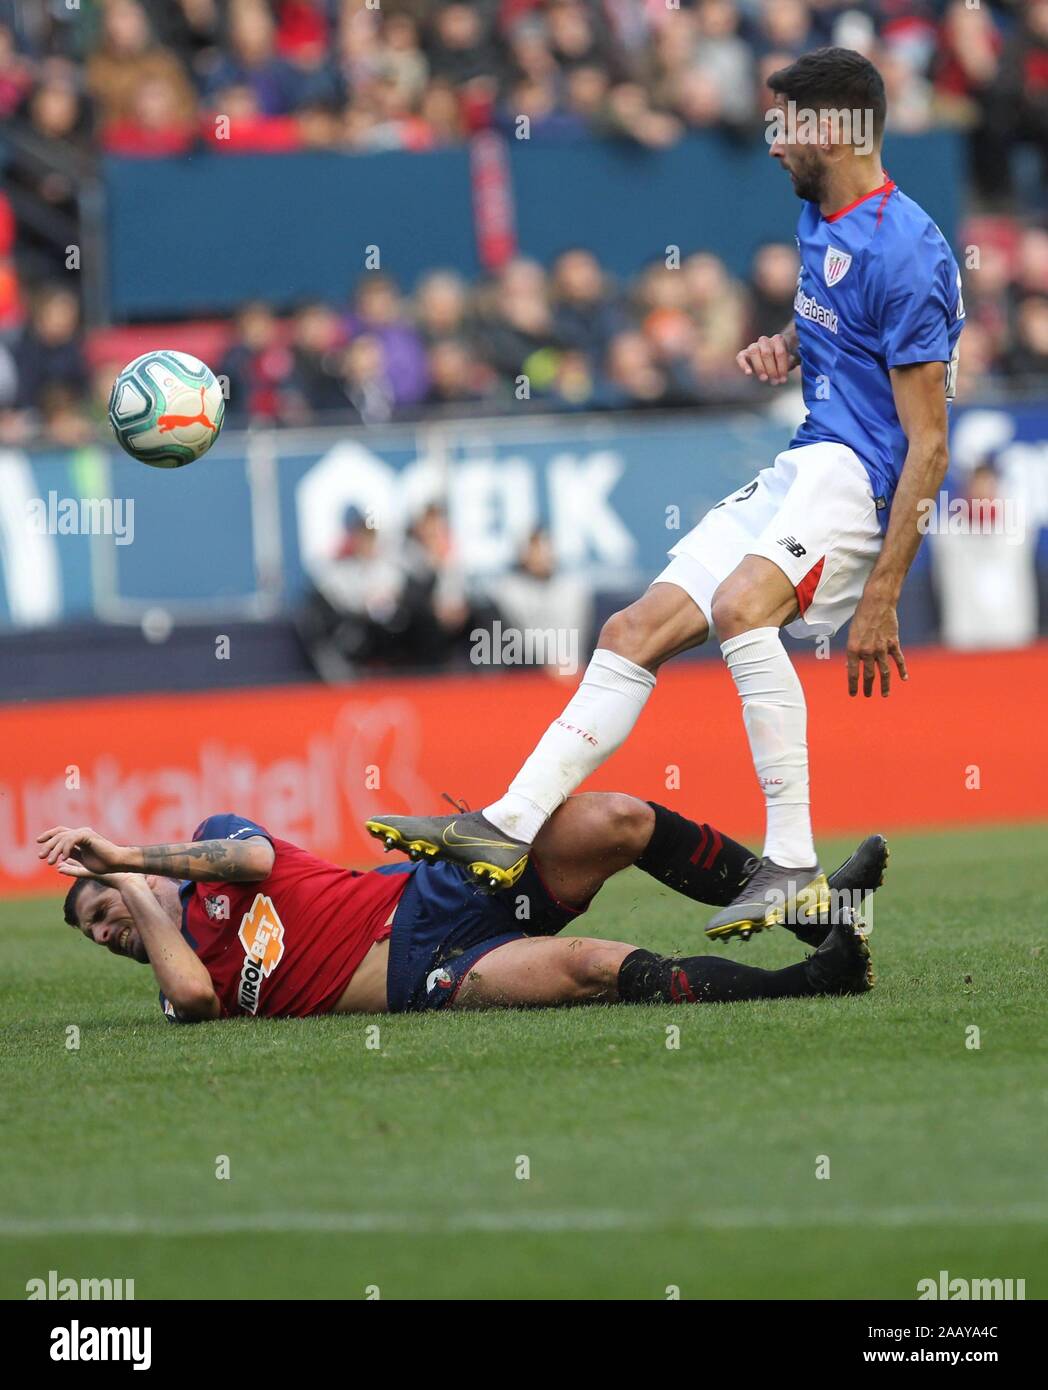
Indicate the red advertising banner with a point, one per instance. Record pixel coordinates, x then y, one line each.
965 741
494 217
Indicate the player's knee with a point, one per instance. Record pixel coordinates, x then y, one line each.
627 823
736 608
626 634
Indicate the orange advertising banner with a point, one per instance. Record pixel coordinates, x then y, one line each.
964 741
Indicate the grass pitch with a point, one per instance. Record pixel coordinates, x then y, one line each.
650 1168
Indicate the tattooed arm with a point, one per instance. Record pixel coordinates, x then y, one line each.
208 861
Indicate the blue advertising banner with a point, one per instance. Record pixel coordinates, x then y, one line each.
92 534
284 227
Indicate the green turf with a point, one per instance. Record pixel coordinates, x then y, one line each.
649 1167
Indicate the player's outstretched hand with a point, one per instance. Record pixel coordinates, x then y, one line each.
873 640
85 847
768 359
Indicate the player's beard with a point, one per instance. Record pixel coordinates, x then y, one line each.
809 176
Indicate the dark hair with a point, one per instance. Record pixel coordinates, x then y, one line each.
69 906
836 78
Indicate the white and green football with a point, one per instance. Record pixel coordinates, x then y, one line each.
166 408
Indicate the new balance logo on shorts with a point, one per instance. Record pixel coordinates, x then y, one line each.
793 545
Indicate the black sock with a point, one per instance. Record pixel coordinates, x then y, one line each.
696 860
645 978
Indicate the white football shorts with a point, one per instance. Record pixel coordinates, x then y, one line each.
811 513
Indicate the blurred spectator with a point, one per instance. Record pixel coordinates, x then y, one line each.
535 597
237 123
718 304
251 59
48 354
518 332
1015 104
64 420
316 339
16 76
402 59
460 45
974 361
435 576
366 381
456 376
56 114
985 569
633 379
1027 361
586 313
128 61
357 612
967 61
377 602
774 285
783 26
159 123
441 306
259 368
708 68
629 114
378 312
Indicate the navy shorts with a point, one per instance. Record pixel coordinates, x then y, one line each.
444 924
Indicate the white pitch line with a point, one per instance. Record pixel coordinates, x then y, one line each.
480 1222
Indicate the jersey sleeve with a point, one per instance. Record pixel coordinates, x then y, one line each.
228 826
916 311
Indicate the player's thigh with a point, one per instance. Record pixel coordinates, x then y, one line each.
538 972
663 622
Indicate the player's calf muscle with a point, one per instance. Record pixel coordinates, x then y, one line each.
538 973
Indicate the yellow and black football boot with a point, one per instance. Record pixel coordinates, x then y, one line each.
489 857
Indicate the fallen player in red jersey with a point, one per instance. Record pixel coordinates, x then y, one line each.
238 922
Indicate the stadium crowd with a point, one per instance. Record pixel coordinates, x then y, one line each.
567 339
159 77
152 77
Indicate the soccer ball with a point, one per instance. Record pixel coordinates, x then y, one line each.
166 408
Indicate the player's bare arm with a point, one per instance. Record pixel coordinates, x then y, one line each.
206 861
920 399
772 359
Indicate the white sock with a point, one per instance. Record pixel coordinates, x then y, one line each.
776 720
596 720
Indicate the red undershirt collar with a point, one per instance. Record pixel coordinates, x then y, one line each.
886 188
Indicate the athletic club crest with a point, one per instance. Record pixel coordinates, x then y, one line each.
835 266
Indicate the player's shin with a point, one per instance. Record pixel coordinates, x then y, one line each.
697 860
597 719
776 719
645 978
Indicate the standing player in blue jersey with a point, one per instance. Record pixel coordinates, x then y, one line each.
825 534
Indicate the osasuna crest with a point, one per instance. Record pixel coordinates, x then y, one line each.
835 266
